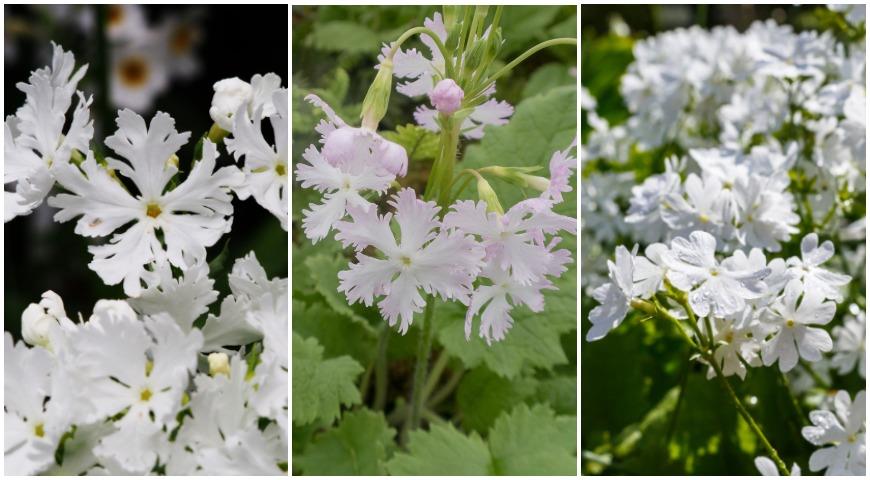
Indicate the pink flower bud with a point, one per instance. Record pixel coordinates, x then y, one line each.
447 96
394 158
338 146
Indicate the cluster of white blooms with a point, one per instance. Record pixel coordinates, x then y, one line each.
153 383
488 260
758 147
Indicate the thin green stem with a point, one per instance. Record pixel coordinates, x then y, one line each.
423 350
684 381
447 389
528 53
818 379
434 36
381 374
780 465
435 374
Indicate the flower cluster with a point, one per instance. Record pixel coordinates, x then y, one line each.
508 256
747 191
153 383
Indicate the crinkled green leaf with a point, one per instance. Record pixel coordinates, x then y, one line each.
531 441
323 269
358 445
548 77
321 386
560 392
442 450
336 333
483 396
421 144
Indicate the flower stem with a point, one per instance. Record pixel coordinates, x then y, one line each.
423 350
780 465
381 369
528 53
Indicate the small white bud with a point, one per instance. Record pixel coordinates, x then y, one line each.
229 95
218 363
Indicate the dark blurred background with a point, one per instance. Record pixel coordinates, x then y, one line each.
198 46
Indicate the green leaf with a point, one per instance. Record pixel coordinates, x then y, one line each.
323 270
548 77
219 262
442 451
560 392
526 441
343 37
483 396
338 334
359 445
321 387
421 144
531 441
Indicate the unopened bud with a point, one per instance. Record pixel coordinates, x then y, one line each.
394 158
540 184
377 99
38 319
218 363
229 95
488 195
447 96
338 146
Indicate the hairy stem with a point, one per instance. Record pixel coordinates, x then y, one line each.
435 374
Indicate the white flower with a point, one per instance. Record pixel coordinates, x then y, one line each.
126 23
231 94
767 468
707 208
504 293
647 203
184 299
440 262
38 320
714 288
33 421
513 240
794 335
849 344
35 139
807 273
265 165
737 339
179 36
191 216
844 430
614 297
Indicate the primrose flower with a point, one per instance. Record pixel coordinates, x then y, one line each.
844 431
795 336
807 272
614 296
191 216
38 320
35 139
265 165
428 257
231 94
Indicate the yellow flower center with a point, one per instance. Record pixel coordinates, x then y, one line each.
703 218
281 170
145 395
789 323
152 210
181 40
406 261
39 430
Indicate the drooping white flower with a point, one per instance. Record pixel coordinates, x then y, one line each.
795 333
352 161
714 288
807 273
265 165
844 431
191 216
427 257
35 138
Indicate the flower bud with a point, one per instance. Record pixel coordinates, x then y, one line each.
113 308
394 158
218 363
447 96
229 95
488 195
38 319
338 146
377 99
540 184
